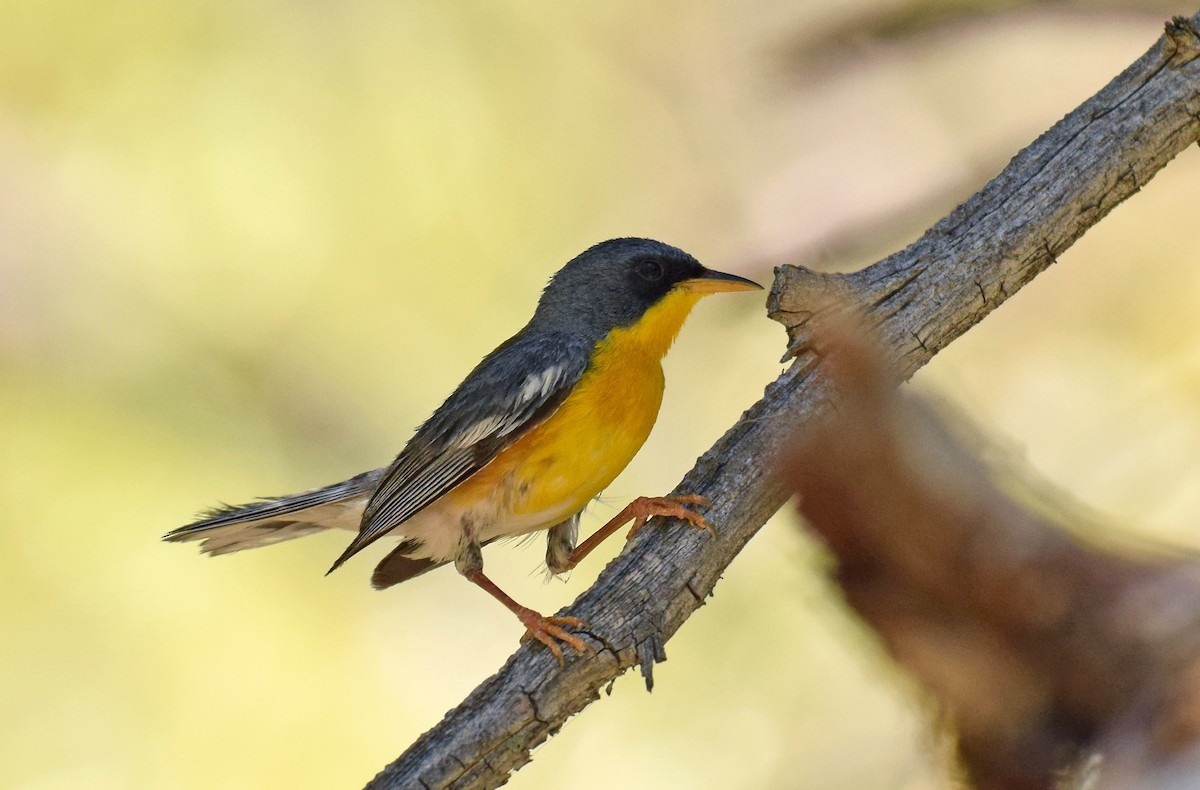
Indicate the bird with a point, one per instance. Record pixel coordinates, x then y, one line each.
529 438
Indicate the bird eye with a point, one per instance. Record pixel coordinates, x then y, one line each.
650 270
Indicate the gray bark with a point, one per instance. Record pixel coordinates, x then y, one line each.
922 298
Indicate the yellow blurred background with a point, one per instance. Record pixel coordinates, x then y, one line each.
245 247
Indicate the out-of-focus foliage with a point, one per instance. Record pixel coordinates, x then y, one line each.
246 247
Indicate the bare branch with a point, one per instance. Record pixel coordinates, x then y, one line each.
924 297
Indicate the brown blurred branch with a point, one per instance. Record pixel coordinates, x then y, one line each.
1042 651
923 297
912 22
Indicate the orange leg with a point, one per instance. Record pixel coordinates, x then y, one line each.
641 510
547 630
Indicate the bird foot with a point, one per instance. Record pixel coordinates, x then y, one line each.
644 508
552 630
639 511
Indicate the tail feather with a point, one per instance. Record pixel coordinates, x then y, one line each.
228 528
396 567
235 537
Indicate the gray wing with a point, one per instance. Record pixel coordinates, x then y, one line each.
514 388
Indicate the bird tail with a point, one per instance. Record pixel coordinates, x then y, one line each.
397 567
228 528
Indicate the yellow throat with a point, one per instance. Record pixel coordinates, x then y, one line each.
651 335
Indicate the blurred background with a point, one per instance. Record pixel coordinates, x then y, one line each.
246 247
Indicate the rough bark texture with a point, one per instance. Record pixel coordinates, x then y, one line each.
1057 663
922 298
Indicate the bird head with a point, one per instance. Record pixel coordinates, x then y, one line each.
616 283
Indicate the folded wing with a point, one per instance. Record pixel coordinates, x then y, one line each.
514 388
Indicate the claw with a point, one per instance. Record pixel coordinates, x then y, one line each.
641 510
645 508
550 631
547 630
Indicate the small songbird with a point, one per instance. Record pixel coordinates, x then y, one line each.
540 427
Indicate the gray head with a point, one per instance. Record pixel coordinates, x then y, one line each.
615 282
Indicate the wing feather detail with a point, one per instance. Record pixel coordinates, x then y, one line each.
514 388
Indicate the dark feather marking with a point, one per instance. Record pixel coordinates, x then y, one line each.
396 568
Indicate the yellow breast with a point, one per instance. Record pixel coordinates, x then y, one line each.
558 467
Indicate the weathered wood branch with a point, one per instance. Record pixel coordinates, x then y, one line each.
922 297
1056 663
